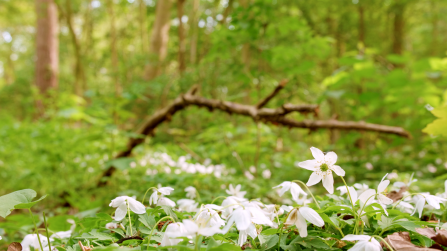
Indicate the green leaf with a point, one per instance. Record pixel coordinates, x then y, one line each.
268 241
120 163
21 199
147 220
385 222
212 243
168 210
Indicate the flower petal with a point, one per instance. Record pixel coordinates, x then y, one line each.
313 179
330 158
338 170
285 186
419 207
328 183
384 200
367 197
312 216
353 194
136 206
301 225
317 153
353 237
309 164
296 190
382 186
121 212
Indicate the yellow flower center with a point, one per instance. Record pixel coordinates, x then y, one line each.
324 167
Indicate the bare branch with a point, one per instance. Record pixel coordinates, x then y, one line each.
264 115
278 88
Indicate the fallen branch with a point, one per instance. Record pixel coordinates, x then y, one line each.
257 113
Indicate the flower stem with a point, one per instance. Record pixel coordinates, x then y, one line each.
353 207
386 243
406 197
218 198
144 197
35 228
155 226
46 228
130 222
311 194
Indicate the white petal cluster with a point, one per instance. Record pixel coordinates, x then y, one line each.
121 203
322 167
365 243
294 189
299 216
235 191
158 197
32 241
191 192
431 200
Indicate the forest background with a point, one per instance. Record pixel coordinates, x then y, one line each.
78 78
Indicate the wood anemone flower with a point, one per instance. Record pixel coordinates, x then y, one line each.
299 216
294 188
322 167
120 203
365 243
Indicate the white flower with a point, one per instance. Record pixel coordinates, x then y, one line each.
31 240
243 234
192 229
112 225
229 204
187 205
366 243
431 200
272 211
172 230
360 188
209 218
62 234
191 192
236 191
380 189
299 216
286 208
322 167
400 184
160 192
120 203
405 207
294 188
163 201
368 196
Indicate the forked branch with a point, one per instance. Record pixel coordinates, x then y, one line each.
257 112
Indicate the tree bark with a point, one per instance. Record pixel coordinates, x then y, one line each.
142 21
47 46
181 37
79 70
113 41
398 28
158 48
361 45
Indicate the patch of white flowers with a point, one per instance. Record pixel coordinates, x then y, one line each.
248 217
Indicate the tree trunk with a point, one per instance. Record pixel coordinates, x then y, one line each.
361 30
79 70
398 28
181 37
158 48
194 31
47 46
113 38
142 21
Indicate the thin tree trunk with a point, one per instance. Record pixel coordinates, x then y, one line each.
159 41
113 41
194 31
398 28
47 46
245 46
142 21
361 29
79 70
181 37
